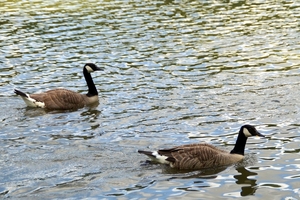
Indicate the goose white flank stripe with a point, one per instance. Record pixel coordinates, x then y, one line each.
63 99
30 101
199 156
155 156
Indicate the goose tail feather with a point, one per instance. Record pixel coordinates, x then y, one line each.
155 156
30 101
22 94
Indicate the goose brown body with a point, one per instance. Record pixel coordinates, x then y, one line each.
63 99
199 156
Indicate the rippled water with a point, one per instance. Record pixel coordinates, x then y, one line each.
176 72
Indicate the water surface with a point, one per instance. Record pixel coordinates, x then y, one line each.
176 72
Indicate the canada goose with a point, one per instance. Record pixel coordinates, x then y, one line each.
199 156
63 99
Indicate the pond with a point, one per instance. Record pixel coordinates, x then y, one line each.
175 72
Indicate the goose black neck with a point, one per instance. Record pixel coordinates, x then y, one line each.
90 83
240 144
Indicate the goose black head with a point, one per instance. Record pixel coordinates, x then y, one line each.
249 131
91 67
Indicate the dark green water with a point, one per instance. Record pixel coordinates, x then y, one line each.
176 72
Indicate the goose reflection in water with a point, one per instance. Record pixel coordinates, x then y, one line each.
244 179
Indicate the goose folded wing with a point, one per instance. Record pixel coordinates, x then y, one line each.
63 99
195 156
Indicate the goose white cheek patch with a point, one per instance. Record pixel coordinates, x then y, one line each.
246 132
89 69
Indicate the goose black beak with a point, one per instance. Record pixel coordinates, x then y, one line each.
259 134
99 69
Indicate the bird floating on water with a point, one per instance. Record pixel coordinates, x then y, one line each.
63 99
200 156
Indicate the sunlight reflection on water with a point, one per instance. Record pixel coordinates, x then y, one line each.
176 72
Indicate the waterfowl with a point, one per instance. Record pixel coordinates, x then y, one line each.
63 99
200 156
